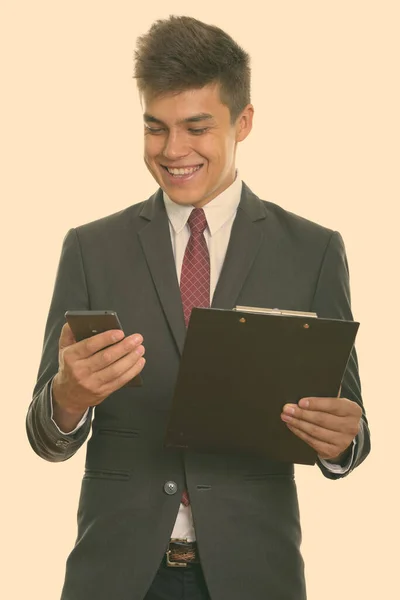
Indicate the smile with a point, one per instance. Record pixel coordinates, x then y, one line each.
182 172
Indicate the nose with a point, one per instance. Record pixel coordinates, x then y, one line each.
176 146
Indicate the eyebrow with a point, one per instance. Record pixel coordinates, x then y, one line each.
193 119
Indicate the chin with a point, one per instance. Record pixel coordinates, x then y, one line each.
184 199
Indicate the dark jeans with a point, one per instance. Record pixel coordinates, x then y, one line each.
178 583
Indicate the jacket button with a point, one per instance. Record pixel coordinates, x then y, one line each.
170 487
62 444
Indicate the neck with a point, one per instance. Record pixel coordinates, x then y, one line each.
224 186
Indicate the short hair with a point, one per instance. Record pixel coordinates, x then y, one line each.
182 53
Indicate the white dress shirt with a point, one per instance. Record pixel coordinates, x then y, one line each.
220 214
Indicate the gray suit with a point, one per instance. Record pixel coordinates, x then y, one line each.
245 510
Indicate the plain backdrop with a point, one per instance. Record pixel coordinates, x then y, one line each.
325 145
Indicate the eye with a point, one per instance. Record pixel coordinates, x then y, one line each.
154 130
198 131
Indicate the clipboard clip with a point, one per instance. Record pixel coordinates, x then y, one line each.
274 311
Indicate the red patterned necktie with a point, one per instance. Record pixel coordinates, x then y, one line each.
195 276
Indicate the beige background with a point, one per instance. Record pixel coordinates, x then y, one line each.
325 145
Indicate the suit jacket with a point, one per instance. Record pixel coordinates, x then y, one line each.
245 509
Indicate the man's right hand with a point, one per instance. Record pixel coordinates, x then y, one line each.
90 370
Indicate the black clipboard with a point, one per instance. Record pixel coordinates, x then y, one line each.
239 367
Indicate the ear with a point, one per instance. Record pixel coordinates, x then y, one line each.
244 123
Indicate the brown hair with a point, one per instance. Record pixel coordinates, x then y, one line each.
182 53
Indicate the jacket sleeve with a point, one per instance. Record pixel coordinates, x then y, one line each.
332 300
70 293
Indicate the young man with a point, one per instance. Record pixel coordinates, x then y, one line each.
203 238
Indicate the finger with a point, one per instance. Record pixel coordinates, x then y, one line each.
66 337
317 432
335 406
124 377
131 373
322 419
103 358
88 347
323 449
118 368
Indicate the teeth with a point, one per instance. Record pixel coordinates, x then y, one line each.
180 172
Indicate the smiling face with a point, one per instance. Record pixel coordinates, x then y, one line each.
190 143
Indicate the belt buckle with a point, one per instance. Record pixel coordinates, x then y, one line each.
171 563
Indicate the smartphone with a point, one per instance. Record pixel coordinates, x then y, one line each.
86 323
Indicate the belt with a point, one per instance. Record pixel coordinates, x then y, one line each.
181 553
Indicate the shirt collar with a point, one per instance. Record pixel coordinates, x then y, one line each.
217 212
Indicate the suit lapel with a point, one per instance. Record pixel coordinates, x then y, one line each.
244 244
155 239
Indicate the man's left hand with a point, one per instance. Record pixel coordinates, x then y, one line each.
328 425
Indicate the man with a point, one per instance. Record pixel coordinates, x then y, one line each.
234 520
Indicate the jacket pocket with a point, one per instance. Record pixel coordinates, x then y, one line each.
106 474
124 433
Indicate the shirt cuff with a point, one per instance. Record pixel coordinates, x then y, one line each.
81 422
339 469
342 469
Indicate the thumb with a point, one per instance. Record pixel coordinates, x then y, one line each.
66 337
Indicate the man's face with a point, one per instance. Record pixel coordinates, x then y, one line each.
190 143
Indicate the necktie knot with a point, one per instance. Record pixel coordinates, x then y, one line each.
197 221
